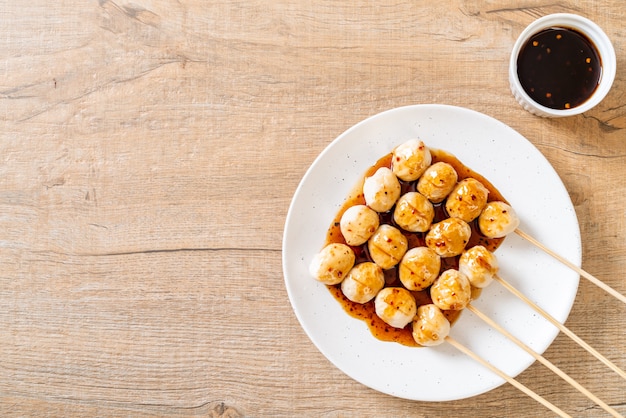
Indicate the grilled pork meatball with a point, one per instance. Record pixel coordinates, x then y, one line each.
430 327
467 200
396 306
449 237
410 159
414 212
363 282
479 265
387 246
497 220
451 291
358 223
381 190
332 264
437 181
419 268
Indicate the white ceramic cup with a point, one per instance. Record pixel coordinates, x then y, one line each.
580 24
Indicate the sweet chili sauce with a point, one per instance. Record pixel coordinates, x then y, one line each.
559 68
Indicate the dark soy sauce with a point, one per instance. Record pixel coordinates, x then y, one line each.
559 68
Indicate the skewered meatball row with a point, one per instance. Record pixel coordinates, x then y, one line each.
452 290
467 201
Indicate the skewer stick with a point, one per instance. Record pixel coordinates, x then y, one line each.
561 327
506 377
577 269
545 362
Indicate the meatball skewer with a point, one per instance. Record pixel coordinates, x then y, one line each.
548 317
451 291
499 219
481 266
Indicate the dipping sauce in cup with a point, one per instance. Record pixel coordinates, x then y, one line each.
561 65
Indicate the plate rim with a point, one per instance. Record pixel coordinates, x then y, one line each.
329 149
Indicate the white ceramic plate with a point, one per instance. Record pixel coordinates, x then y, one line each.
525 178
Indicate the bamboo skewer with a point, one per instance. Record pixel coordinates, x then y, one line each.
506 377
577 269
545 362
561 327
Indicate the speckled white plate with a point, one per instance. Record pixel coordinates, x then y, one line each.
526 179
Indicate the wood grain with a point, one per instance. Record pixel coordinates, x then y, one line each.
148 154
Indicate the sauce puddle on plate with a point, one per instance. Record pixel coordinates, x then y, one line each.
366 312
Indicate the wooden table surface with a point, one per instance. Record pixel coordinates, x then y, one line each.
149 151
